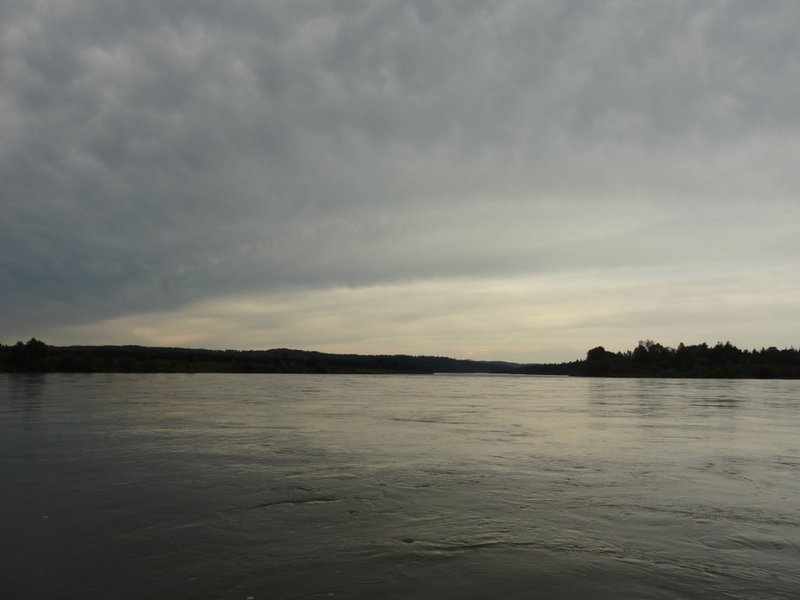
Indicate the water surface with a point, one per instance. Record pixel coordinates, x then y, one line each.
319 486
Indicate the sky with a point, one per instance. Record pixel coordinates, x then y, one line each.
494 179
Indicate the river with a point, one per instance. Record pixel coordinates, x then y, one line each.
250 487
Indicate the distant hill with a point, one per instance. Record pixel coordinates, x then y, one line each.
648 359
37 356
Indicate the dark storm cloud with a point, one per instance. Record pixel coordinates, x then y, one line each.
156 153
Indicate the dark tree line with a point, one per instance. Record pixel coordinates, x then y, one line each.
37 356
30 356
648 359
651 359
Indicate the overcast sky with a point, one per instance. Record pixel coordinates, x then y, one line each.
500 179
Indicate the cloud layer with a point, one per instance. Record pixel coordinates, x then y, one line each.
164 160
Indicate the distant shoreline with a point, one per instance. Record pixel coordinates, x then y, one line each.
648 359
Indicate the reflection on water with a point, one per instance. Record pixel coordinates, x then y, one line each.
24 391
297 486
24 395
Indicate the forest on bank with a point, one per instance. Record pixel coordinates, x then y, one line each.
651 359
35 355
648 359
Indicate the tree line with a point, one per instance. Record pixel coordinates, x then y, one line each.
651 359
35 355
647 359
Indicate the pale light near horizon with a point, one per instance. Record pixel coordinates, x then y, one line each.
525 320
505 180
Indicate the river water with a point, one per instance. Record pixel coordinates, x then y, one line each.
331 486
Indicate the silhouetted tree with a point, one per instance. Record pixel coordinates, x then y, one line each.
28 357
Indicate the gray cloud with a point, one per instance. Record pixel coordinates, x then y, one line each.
157 154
